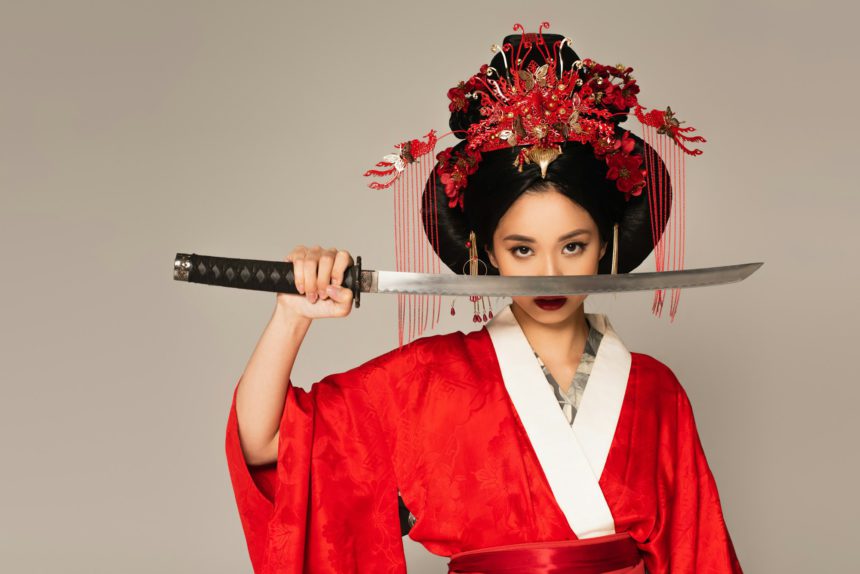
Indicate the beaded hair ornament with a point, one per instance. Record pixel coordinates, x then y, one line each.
537 108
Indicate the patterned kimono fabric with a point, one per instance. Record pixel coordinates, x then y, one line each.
597 555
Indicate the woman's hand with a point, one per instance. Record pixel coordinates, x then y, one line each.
318 274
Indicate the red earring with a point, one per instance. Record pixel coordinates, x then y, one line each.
482 306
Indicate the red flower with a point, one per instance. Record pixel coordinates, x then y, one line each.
613 98
451 181
602 146
630 91
457 95
454 171
624 169
627 143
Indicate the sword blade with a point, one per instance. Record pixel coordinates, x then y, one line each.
277 276
500 286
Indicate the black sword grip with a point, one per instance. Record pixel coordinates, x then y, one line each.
255 274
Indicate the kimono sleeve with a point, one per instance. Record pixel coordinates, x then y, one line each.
330 502
690 535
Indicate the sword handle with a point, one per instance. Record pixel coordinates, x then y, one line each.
255 274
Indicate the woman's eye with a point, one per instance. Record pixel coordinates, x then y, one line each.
577 247
518 250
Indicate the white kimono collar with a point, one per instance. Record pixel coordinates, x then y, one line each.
572 458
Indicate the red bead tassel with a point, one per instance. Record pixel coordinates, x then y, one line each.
412 207
432 244
408 170
414 250
669 246
399 236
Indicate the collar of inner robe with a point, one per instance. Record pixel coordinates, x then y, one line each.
570 399
572 456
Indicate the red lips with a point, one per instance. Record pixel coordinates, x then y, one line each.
550 303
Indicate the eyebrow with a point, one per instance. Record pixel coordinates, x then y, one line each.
526 239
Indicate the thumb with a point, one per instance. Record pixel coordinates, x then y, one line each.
338 294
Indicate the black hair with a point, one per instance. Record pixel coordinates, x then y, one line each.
497 184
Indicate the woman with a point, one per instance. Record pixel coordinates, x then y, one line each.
537 443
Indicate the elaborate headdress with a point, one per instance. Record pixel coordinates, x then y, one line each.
537 97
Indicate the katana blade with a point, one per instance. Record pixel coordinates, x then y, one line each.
277 277
499 286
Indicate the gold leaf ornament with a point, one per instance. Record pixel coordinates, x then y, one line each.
543 156
670 121
519 130
539 77
573 122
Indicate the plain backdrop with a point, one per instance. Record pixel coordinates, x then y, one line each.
130 131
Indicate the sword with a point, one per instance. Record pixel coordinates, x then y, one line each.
277 277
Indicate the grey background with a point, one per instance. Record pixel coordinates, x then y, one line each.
132 131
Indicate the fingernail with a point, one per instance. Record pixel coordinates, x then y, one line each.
331 290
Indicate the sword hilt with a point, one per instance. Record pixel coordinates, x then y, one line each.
255 274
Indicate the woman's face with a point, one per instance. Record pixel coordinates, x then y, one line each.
547 233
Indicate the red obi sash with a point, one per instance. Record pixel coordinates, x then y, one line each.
611 554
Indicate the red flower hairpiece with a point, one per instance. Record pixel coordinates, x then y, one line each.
538 108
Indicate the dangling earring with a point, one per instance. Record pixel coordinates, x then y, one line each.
615 249
480 304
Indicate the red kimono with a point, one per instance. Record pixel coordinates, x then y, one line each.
466 427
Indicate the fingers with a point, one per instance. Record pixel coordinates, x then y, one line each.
341 261
326 262
315 268
304 260
309 272
297 258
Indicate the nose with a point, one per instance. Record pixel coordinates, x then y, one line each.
550 266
